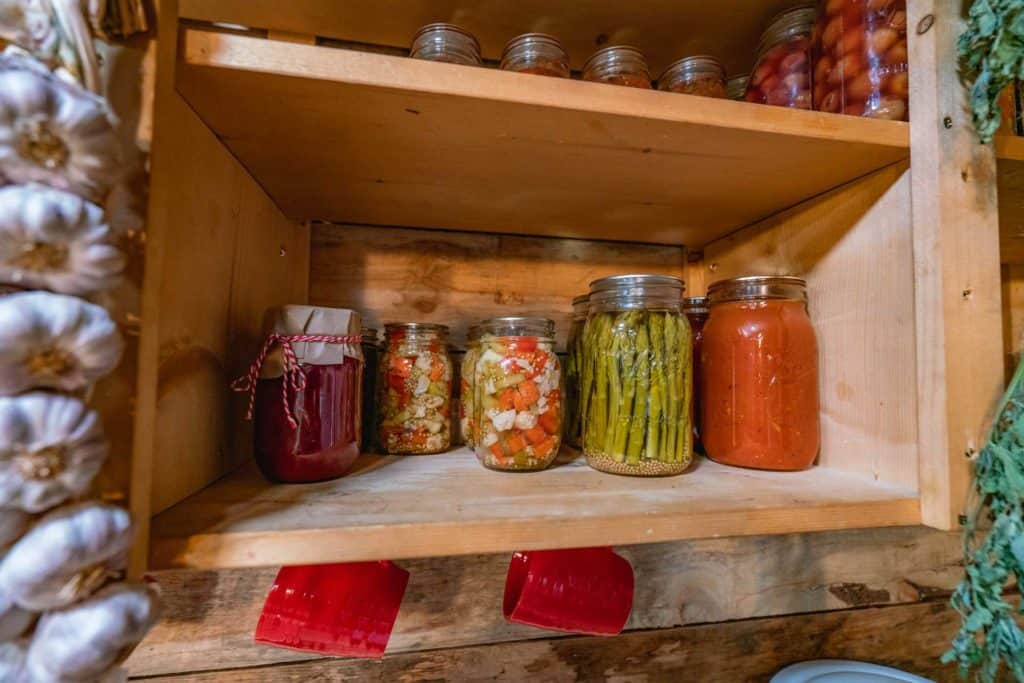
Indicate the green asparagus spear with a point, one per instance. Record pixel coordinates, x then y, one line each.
684 447
617 364
657 390
625 359
672 411
641 380
586 379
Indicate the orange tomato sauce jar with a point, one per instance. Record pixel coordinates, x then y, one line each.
759 375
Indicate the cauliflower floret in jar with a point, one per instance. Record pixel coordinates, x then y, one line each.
525 420
422 384
504 421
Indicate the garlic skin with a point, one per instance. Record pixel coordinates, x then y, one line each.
50 239
54 341
54 133
67 555
51 449
30 24
13 523
14 621
13 664
84 641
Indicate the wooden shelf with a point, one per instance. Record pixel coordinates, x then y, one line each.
1010 156
357 137
403 507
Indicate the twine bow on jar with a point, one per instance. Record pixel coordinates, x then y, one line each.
293 378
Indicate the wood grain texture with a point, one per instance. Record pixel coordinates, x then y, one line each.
458 278
1013 316
357 137
453 602
956 266
1010 168
853 246
910 637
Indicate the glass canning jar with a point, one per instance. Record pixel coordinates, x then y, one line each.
618 65
573 408
518 402
736 87
696 310
467 417
415 389
759 375
782 71
536 53
636 376
442 42
698 75
860 58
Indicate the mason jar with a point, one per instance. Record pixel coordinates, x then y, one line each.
696 310
573 400
782 70
759 375
698 75
442 42
736 87
637 374
371 358
618 65
518 404
467 416
536 53
415 389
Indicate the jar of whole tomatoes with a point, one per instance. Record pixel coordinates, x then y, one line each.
573 400
467 411
698 75
415 389
860 58
442 42
618 65
536 53
518 394
307 388
696 310
782 71
759 375
636 374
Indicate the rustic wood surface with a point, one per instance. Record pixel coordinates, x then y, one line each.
1010 156
1013 315
456 601
909 637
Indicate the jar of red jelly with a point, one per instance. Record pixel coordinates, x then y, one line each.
759 375
307 394
696 310
536 53
860 58
782 72
618 65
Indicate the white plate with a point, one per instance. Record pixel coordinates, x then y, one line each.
841 671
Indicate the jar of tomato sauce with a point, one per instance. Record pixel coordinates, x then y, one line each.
759 375
782 71
696 310
618 65
415 389
536 53
306 394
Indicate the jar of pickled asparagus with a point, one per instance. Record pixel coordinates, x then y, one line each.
518 401
618 65
782 72
442 42
637 377
696 310
371 356
467 411
698 75
415 389
536 53
573 404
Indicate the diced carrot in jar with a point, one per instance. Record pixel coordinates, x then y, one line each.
527 396
497 451
436 370
401 365
515 443
545 447
535 435
549 421
524 345
507 398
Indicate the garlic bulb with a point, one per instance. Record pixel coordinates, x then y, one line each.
13 664
67 555
82 642
13 524
50 239
30 24
51 448
14 621
54 133
50 340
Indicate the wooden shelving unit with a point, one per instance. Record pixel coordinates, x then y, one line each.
1010 156
356 137
400 507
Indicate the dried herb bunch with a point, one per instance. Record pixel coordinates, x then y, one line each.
992 53
990 635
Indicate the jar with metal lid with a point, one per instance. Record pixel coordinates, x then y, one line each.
415 389
636 374
442 42
860 58
536 53
467 410
698 75
696 310
573 400
736 87
759 375
782 72
518 401
371 359
618 65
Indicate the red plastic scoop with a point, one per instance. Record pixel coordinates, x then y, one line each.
344 609
582 590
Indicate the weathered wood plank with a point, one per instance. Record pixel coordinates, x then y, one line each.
454 602
910 637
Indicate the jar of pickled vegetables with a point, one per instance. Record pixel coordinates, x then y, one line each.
415 389
782 71
696 310
636 377
536 53
518 394
467 417
860 58
618 65
573 410
371 358
442 42
736 87
698 75
759 375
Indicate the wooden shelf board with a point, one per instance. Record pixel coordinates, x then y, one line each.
403 507
357 137
1010 157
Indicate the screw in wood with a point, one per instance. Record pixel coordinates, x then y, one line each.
947 122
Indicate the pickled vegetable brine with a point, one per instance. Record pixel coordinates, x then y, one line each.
637 382
573 414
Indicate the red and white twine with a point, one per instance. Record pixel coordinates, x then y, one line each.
293 378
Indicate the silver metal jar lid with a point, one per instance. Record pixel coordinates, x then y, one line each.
755 287
516 325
